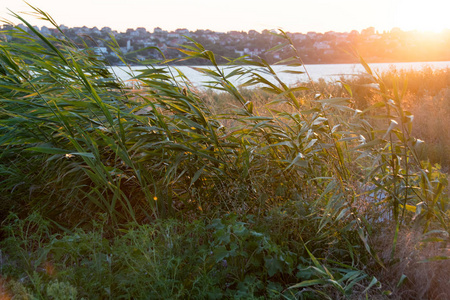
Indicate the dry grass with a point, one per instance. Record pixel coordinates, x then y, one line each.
430 280
432 124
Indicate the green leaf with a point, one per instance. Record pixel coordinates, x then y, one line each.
48 150
369 144
277 47
293 72
197 175
392 125
366 66
273 265
402 279
308 283
335 101
435 258
371 284
298 161
84 154
220 252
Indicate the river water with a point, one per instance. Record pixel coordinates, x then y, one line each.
328 72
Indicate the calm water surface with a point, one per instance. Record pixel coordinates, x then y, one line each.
328 72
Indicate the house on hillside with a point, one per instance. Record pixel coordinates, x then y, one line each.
321 46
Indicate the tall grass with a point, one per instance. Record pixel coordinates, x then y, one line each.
300 177
426 97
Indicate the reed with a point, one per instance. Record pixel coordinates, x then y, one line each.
279 185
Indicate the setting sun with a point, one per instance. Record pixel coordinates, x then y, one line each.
432 15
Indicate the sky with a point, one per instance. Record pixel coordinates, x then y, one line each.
241 15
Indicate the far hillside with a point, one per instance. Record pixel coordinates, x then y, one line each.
135 46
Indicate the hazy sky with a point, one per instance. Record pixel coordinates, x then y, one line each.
290 15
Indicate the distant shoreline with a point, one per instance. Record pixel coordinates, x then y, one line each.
308 64
328 72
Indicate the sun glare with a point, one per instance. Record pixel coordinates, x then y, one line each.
431 15
345 15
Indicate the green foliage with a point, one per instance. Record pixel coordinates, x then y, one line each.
119 182
166 260
18 290
236 244
61 290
